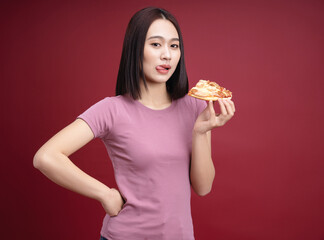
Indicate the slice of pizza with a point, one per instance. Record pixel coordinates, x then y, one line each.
207 90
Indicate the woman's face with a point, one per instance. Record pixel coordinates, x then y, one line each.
161 51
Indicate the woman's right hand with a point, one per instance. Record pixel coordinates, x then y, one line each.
112 202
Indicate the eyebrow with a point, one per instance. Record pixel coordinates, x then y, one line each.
162 38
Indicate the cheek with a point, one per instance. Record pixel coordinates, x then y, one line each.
149 54
147 60
176 57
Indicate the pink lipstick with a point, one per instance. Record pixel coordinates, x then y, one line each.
164 69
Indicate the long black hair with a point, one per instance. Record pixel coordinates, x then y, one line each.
130 70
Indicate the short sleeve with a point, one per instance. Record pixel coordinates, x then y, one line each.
201 105
194 105
99 117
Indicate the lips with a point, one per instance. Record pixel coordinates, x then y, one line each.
163 68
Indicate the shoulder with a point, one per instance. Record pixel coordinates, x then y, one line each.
186 100
102 115
110 102
105 108
192 103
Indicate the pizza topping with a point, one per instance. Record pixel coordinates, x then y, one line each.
200 92
213 84
200 85
207 90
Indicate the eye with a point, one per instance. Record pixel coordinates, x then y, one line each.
175 46
155 44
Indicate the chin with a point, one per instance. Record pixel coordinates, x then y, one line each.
159 79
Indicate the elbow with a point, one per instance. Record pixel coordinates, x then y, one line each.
39 160
203 192
202 188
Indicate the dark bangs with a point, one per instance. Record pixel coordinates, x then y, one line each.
130 71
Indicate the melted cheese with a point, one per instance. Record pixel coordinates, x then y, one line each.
207 89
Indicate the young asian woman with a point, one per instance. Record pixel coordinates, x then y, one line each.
157 137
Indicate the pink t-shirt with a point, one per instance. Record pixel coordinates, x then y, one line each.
150 151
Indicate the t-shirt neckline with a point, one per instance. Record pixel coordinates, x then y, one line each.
167 109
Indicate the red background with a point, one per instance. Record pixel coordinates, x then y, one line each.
60 57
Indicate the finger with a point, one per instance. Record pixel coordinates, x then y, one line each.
211 107
232 104
222 106
228 107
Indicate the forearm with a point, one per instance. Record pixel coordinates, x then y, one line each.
202 171
61 170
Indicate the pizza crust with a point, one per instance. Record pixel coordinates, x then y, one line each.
207 98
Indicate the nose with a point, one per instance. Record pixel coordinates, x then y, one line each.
166 54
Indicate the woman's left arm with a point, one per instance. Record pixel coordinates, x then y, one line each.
202 171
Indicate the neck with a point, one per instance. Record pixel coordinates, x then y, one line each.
155 96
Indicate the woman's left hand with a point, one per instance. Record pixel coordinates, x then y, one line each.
208 119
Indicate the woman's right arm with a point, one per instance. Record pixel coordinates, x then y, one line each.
52 159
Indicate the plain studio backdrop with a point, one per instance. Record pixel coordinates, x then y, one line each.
60 57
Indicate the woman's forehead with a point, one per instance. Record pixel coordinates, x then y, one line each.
162 28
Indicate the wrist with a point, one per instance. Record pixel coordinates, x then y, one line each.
197 133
